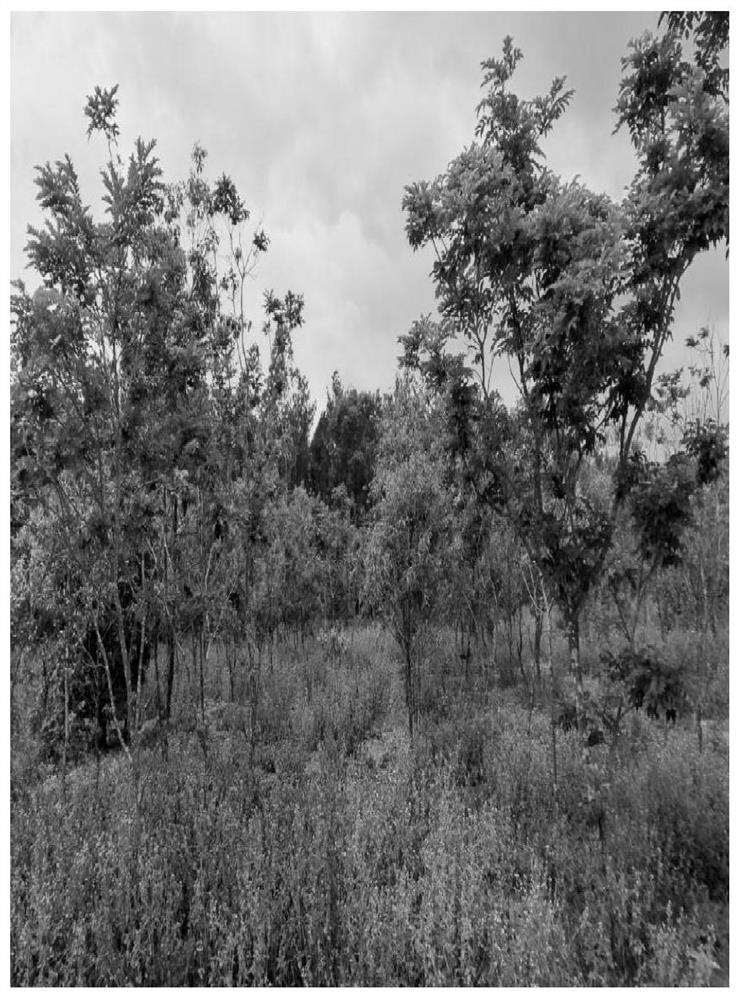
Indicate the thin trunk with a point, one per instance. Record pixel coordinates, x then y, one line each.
155 653
121 627
66 719
698 724
616 730
201 661
519 637
140 671
254 694
232 664
170 676
537 642
109 680
172 650
575 665
408 684
549 665
160 706
117 532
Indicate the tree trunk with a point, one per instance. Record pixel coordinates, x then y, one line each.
201 668
519 637
171 653
158 688
170 675
554 755
575 665
109 681
231 652
698 726
66 718
409 691
537 642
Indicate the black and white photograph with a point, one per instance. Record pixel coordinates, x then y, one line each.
369 471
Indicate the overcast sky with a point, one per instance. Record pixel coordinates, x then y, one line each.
321 120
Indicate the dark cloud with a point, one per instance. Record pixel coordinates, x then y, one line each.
322 119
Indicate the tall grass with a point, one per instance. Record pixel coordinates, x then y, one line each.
450 862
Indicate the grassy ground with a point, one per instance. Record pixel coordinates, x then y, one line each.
322 847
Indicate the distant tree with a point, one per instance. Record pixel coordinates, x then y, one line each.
671 542
345 444
689 429
287 410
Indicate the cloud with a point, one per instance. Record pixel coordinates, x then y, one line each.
321 120
357 299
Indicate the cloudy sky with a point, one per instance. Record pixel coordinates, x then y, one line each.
321 120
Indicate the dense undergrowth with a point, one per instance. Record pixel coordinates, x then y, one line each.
321 848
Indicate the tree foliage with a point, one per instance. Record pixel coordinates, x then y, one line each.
344 445
576 291
411 546
137 404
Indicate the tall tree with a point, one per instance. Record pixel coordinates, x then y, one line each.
134 395
577 292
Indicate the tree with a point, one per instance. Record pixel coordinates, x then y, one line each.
671 543
135 400
80 379
577 292
287 410
345 444
411 545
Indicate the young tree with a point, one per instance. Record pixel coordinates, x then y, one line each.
411 544
672 541
134 397
80 378
577 292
